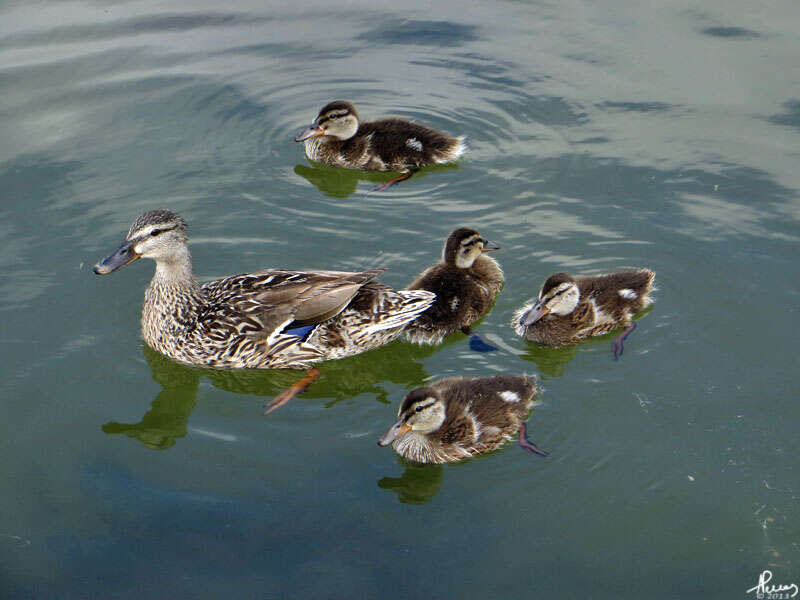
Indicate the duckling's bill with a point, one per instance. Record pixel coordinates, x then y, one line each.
310 132
487 245
121 257
534 314
395 431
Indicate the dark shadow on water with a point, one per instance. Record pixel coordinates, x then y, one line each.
791 117
166 421
420 33
341 183
643 107
732 32
417 485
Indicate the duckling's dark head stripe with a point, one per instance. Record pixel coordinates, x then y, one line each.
417 408
337 108
458 237
554 281
414 396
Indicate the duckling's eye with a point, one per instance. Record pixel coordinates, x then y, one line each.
155 232
418 409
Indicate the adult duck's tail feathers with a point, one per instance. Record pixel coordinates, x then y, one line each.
402 307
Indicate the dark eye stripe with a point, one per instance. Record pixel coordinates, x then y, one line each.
330 116
156 232
420 407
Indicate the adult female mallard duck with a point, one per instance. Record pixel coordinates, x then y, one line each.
337 137
569 309
466 284
455 418
268 319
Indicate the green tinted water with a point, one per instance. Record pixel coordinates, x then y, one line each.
600 138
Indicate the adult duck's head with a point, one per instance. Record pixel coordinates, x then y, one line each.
157 234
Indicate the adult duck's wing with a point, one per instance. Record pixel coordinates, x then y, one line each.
262 304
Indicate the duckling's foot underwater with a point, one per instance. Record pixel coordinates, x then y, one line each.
526 444
300 386
386 185
616 346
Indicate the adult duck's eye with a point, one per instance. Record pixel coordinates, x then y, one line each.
155 232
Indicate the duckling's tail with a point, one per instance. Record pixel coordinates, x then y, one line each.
460 147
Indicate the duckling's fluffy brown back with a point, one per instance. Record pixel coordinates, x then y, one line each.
462 297
498 403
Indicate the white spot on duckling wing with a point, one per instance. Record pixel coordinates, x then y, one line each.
454 304
629 294
509 396
414 144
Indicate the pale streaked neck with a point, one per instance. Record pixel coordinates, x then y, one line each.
177 271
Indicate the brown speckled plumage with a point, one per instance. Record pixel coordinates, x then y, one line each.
464 294
480 415
243 320
383 145
606 302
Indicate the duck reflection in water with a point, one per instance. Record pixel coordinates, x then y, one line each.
417 485
341 183
167 419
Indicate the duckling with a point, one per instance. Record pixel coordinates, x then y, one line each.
569 309
466 284
337 137
455 418
268 319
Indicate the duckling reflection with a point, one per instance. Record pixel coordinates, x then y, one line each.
341 183
167 419
417 485
550 361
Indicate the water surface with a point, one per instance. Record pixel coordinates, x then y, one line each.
600 136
